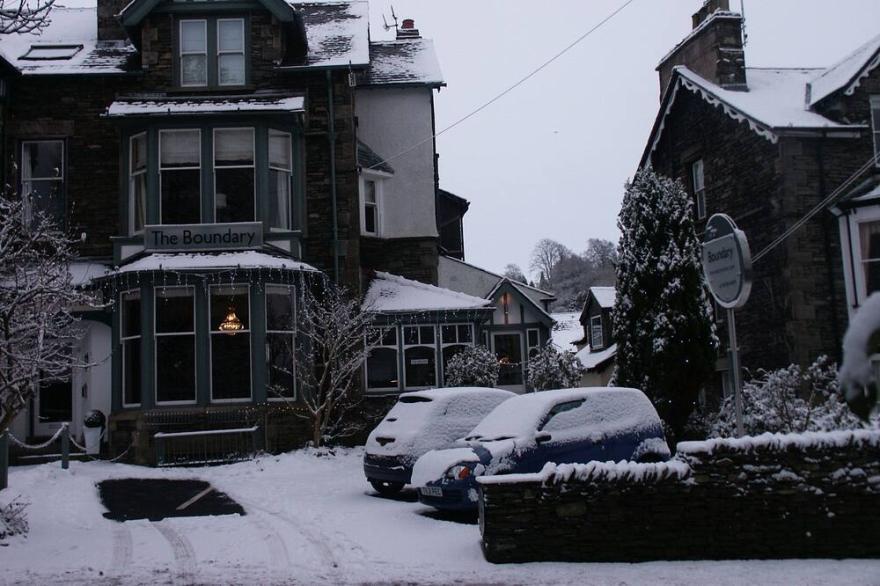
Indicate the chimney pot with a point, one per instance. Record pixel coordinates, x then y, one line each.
408 23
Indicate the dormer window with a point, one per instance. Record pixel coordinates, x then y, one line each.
212 52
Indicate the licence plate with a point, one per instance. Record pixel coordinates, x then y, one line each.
431 491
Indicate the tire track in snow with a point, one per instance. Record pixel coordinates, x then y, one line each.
122 547
280 557
184 555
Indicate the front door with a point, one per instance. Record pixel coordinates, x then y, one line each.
53 405
509 351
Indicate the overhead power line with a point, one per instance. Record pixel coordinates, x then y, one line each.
530 75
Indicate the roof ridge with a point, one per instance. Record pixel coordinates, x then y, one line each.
426 286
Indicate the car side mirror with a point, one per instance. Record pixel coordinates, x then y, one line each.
542 436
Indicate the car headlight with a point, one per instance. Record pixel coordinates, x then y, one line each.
458 472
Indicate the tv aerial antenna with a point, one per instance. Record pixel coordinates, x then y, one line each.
388 27
742 10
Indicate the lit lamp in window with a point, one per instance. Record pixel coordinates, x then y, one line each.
231 324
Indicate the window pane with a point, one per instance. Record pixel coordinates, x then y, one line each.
279 358
382 369
449 334
42 160
426 333
231 69
370 192
389 337
279 199
138 153
233 146
231 366
869 235
131 370
698 175
174 310
181 196
194 70
420 367
230 35
138 201
464 334
193 36
279 308
175 368
180 148
226 299
279 149
370 219
131 314
234 194
533 337
410 335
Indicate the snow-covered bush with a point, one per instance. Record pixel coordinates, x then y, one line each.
13 520
475 366
858 380
788 400
552 369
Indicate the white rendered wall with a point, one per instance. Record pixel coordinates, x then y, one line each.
391 121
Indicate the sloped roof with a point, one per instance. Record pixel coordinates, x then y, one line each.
188 105
520 289
246 259
596 360
392 294
604 296
337 33
411 61
846 73
371 160
76 29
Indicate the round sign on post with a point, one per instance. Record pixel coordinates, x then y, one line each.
727 265
727 262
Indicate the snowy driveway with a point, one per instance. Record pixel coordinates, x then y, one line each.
310 520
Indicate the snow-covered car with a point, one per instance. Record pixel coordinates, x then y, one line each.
523 434
421 421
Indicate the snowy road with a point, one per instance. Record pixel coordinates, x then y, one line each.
310 520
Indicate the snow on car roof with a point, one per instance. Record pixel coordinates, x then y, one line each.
521 415
392 293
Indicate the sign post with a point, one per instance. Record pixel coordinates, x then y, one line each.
727 265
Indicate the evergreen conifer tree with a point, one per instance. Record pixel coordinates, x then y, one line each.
666 342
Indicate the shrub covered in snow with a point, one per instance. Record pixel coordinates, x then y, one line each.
475 366
666 343
552 369
788 400
13 520
857 377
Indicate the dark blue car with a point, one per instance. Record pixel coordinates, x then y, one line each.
526 432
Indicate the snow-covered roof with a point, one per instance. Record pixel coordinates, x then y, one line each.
83 272
847 73
410 61
604 296
253 103
337 33
67 46
247 259
567 330
593 360
392 293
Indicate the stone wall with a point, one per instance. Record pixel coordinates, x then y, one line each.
773 496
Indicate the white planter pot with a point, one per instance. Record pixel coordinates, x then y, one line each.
93 439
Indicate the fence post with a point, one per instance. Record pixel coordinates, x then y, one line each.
65 446
4 460
256 440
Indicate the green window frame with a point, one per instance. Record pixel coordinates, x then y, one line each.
210 53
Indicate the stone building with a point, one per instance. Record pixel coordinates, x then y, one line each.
768 146
216 158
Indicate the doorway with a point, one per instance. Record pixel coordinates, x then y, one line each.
509 351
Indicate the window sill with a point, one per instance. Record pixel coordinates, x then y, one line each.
210 90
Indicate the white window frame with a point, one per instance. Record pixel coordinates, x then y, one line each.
397 353
135 176
851 250
172 169
253 165
291 332
123 339
288 219
243 51
378 180
404 346
593 321
182 53
875 127
698 178
213 331
156 300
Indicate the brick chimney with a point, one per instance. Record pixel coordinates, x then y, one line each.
408 30
713 49
109 28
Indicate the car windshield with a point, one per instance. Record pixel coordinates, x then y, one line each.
511 419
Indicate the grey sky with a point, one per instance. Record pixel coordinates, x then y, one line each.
549 159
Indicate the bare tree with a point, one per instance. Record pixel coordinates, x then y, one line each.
514 273
601 253
37 298
333 335
24 16
546 255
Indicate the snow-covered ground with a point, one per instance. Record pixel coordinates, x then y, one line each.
310 520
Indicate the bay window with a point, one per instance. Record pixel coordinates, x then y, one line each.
137 183
180 176
193 53
175 342
42 177
230 342
130 340
280 341
419 356
234 174
280 173
382 359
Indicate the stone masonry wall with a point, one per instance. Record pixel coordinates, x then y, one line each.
412 258
773 496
